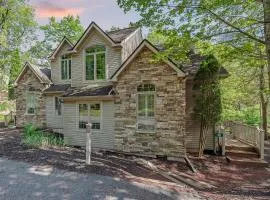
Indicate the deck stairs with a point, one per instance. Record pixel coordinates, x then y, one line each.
240 153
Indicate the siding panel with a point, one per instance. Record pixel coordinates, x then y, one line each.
193 125
53 121
113 60
100 139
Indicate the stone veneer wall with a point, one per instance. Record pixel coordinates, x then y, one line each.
29 80
169 138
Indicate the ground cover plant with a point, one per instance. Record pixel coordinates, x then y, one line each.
35 138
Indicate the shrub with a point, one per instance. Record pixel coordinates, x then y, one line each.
35 138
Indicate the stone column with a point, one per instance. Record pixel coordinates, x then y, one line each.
88 143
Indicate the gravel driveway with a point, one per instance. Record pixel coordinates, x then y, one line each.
20 180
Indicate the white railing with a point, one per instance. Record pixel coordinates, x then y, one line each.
248 134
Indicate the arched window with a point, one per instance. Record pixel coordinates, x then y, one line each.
146 107
95 63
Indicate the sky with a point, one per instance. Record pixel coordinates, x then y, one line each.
106 13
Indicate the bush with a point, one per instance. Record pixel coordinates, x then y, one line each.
35 138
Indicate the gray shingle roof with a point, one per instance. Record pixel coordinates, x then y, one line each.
41 73
121 34
58 88
97 91
47 72
195 61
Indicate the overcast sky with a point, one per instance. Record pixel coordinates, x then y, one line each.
105 13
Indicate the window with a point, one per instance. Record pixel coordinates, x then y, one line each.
65 67
146 107
90 113
30 103
95 64
58 106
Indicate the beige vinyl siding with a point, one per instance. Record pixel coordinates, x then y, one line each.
54 121
113 60
192 124
131 43
103 138
56 66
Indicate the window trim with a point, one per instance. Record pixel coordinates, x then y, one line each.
95 71
78 115
145 119
68 79
26 103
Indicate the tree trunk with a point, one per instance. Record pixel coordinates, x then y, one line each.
266 5
263 100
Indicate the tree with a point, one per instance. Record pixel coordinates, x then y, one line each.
17 30
236 23
207 82
69 26
15 69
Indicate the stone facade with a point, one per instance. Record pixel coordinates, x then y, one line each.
30 80
169 136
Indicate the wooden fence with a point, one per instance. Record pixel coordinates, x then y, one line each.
248 134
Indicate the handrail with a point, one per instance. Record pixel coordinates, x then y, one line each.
248 134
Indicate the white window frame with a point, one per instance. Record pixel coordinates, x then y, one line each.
66 60
95 63
89 117
26 101
147 120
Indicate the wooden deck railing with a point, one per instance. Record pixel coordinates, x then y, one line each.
248 134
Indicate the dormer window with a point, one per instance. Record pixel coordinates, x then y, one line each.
95 63
66 67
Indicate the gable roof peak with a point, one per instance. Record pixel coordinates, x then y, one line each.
40 74
63 41
151 47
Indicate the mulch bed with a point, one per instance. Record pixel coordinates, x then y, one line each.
71 159
230 181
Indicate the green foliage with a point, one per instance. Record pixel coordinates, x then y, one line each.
3 106
15 69
69 26
34 138
208 100
207 82
17 31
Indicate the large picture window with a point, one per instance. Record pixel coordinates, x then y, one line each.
146 107
65 67
95 63
90 113
30 103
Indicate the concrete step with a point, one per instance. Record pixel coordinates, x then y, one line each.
247 162
242 154
240 148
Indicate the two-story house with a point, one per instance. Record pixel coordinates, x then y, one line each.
110 79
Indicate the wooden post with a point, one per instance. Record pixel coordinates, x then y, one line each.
262 144
88 143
